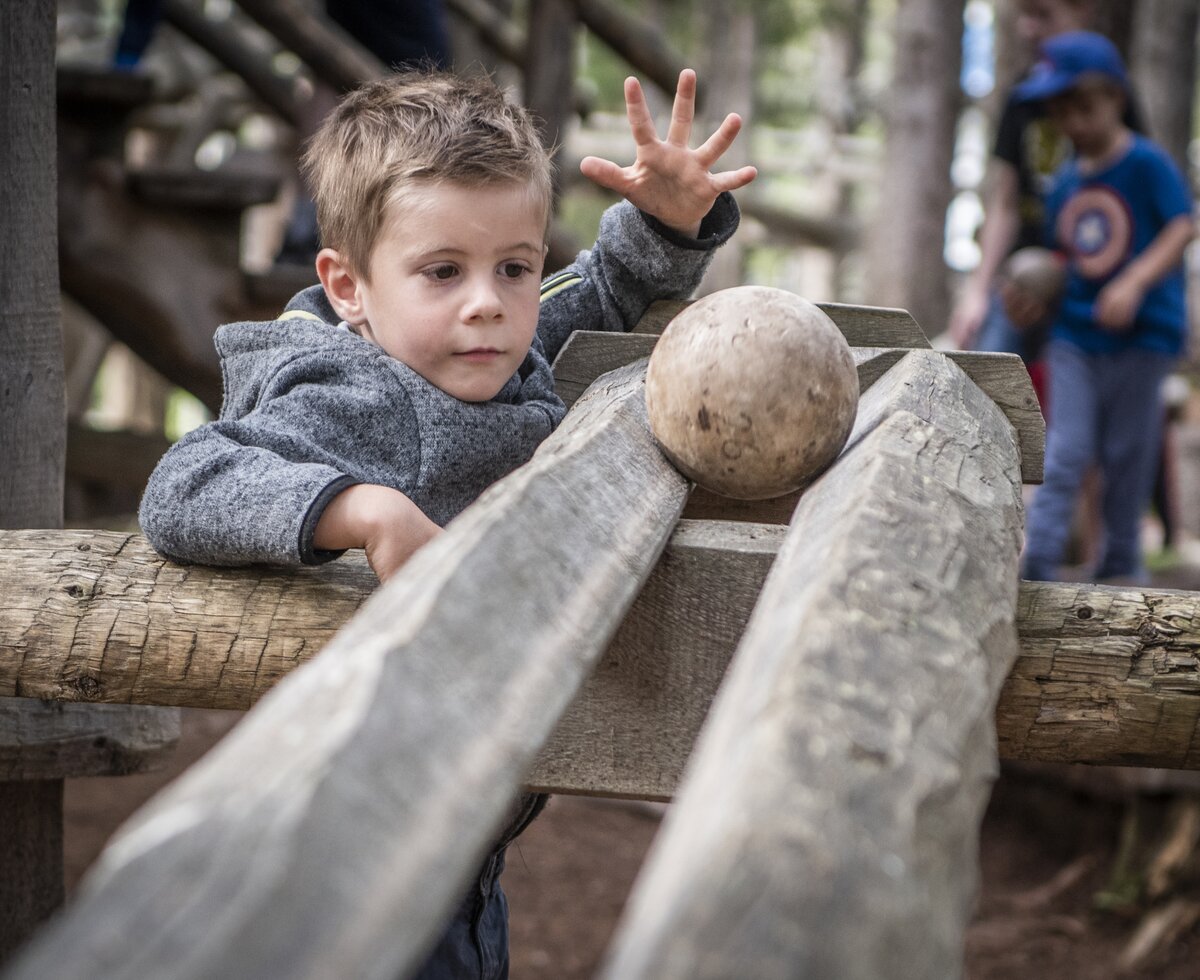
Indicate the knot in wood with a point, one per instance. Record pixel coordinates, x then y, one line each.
1084 612
87 686
74 591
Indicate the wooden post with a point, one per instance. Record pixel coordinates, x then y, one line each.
32 414
41 743
334 830
827 823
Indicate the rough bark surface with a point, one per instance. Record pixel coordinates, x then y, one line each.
336 827
827 824
1107 675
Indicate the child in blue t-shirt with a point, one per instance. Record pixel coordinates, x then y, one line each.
1120 212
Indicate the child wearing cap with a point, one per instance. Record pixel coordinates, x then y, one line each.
1120 211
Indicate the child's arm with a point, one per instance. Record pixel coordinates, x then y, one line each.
383 521
667 179
1118 302
256 487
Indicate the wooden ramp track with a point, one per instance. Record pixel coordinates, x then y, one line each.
826 823
333 832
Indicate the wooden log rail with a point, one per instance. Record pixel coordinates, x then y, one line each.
1105 675
332 832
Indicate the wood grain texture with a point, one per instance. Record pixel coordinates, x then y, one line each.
827 823
1004 378
863 326
334 830
631 730
1105 675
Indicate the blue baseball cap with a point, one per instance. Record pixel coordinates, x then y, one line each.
1064 59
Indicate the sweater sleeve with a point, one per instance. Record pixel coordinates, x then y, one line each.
252 489
635 261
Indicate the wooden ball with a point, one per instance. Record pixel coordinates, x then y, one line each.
1037 271
752 392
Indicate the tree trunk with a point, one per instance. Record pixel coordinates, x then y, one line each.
728 70
1115 19
1163 65
549 70
905 261
845 36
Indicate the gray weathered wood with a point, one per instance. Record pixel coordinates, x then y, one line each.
863 326
827 823
588 354
1002 376
630 731
1105 675
336 827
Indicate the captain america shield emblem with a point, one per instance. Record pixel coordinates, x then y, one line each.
1096 229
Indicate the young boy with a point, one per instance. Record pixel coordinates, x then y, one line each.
385 400
1121 213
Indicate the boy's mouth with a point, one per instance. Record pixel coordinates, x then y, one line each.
479 353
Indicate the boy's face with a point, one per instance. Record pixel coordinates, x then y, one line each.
454 284
1089 116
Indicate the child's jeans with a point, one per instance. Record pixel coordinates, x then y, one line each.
475 944
1105 408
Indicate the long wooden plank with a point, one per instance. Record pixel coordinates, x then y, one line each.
1106 675
863 326
589 354
1004 378
827 824
334 830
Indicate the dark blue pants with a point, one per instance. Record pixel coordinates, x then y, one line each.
475 945
1107 409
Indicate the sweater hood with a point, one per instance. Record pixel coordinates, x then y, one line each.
252 353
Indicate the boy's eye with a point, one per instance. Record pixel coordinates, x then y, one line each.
441 272
513 270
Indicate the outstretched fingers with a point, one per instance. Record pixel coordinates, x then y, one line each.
638 113
683 110
731 180
713 148
605 173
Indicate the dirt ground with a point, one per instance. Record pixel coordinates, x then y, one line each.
1048 852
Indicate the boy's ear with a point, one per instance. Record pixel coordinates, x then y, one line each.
341 286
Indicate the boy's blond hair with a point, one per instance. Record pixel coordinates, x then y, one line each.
415 128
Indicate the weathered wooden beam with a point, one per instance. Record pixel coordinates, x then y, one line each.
334 56
1106 675
636 40
1005 380
225 44
863 326
827 825
1003 377
334 830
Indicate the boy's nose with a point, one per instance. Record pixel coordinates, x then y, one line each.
483 303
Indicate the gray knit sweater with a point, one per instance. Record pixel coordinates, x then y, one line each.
311 409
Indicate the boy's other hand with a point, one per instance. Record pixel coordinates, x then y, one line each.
669 180
382 521
1117 304
1023 309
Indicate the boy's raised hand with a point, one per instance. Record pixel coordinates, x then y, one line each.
669 180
